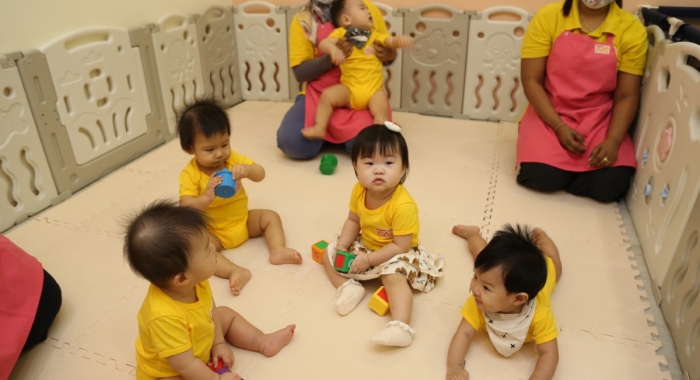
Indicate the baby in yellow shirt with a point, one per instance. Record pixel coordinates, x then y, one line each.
514 276
205 132
180 326
361 79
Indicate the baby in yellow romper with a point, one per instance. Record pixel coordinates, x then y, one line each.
205 131
361 76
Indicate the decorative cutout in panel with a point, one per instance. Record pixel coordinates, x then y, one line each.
393 73
179 65
668 150
98 79
262 51
433 69
217 45
493 89
26 184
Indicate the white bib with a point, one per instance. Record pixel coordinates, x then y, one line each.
508 331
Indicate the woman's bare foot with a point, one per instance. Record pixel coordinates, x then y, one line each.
465 232
285 256
238 279
314 133
273 343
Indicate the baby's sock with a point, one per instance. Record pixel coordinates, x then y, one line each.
349 295
396 333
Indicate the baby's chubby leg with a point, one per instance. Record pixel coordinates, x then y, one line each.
379 106
475 242
398 332
335 96
269 224
237 276
241 333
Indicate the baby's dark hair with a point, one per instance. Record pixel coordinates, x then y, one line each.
378 136
522 262
204 116
337 10
157 242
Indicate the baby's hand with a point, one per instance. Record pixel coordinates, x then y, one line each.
457 373
360 264
337 56
403 41
214 181
240 171
222 352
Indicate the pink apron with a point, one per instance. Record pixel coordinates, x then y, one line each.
345 123
580 81
21 281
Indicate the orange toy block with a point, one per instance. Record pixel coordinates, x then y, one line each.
379 301
317 251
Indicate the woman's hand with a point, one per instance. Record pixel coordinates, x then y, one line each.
385 54
360 264
605 154
223 352
345 46
570 139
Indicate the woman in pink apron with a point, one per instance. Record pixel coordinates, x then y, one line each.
583 94
310 26
29 301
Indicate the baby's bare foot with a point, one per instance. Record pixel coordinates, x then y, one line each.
285 256
238 279
465 232
313 133
273 343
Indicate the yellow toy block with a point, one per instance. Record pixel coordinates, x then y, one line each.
317 251
379 301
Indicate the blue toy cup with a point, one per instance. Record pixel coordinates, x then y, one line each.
227 187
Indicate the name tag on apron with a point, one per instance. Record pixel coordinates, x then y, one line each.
602 49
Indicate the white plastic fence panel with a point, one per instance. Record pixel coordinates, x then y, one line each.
262 51
101 92
179 65
680 302
219 56
433 69
392 73
655 35
26 184
493 89
667 144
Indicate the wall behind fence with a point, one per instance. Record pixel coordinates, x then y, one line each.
31 23
479 5
28 24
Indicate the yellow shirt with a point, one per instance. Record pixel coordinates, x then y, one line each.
362 71
168 327
543 327
225 213
630 36
301 49
398 216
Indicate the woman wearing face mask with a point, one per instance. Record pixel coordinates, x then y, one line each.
582 64
310 66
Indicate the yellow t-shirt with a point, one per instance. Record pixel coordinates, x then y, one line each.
225 213
301 49
168 327
398 216
543 327
362 71
630 36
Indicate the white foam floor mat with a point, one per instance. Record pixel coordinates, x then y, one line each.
461 172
